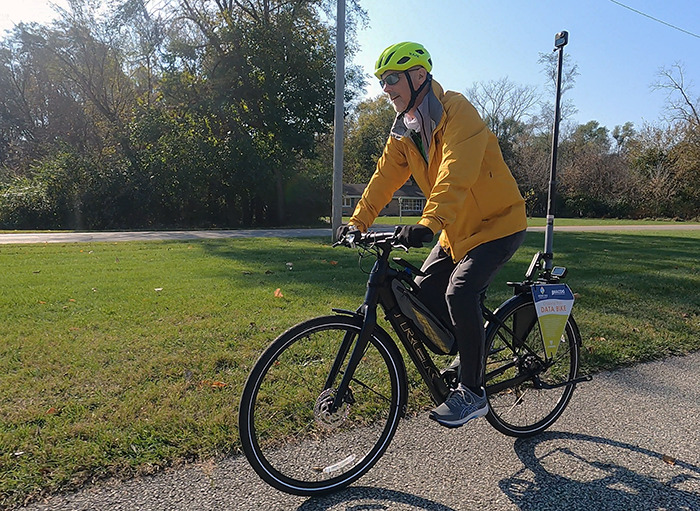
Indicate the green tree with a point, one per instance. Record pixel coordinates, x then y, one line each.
367 130
268 68
622 135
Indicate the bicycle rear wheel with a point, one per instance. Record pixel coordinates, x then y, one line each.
288 433
527 391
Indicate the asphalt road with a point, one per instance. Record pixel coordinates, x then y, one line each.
629 440
86 237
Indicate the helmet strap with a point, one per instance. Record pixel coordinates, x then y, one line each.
414 92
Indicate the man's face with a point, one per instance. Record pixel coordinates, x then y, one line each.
400 92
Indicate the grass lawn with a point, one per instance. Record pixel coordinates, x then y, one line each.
121 358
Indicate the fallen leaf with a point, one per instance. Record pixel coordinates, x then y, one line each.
278 293
51 410
668 460
71 300
333 263
214 384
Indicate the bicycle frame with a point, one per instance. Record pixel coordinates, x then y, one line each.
379 293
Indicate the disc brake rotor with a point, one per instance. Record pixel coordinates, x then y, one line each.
322 410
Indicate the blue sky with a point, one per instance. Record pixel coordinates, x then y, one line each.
618 52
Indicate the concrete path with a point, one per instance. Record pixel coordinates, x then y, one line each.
86 237
629 440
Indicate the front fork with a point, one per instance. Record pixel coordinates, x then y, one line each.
369 312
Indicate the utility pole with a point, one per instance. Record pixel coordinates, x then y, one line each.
337 198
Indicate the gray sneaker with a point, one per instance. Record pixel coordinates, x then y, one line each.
461 406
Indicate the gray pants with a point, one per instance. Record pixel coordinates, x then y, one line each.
453 291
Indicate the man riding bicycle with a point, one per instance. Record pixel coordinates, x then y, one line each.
472 197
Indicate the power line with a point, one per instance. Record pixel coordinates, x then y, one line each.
655 19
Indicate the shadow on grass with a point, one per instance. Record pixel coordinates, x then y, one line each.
636 291
638 265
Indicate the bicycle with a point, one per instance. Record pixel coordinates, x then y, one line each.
322 403
348 384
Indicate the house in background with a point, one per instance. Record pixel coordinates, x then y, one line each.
407 200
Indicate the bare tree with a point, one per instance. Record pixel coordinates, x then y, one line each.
569 74
501 101
680 103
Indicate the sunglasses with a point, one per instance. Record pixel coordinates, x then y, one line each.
391 79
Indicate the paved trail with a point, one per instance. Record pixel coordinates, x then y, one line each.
630 440
84 237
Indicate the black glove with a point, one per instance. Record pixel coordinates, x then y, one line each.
413 235
343 231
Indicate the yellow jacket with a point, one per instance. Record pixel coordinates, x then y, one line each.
471 194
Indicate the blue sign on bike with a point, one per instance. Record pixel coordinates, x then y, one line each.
553 303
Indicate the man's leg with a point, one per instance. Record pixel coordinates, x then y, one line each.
438 268
468 282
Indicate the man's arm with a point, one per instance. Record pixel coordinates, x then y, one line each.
391 173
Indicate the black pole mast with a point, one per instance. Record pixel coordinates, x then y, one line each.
560 40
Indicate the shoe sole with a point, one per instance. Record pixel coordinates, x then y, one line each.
461 422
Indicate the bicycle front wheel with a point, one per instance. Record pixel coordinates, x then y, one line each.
288 431
527 390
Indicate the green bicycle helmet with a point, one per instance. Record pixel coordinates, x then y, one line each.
402 56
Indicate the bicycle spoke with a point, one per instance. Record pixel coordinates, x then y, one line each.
287 428
518 406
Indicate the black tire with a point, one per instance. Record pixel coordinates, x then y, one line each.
285 433
515 346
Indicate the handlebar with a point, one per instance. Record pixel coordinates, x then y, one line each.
366 239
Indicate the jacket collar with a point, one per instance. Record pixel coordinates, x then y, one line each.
434 99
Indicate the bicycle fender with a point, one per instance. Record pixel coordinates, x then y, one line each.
525 324
345 312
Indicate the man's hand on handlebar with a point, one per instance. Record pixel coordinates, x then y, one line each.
406 236
347 234
413 236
